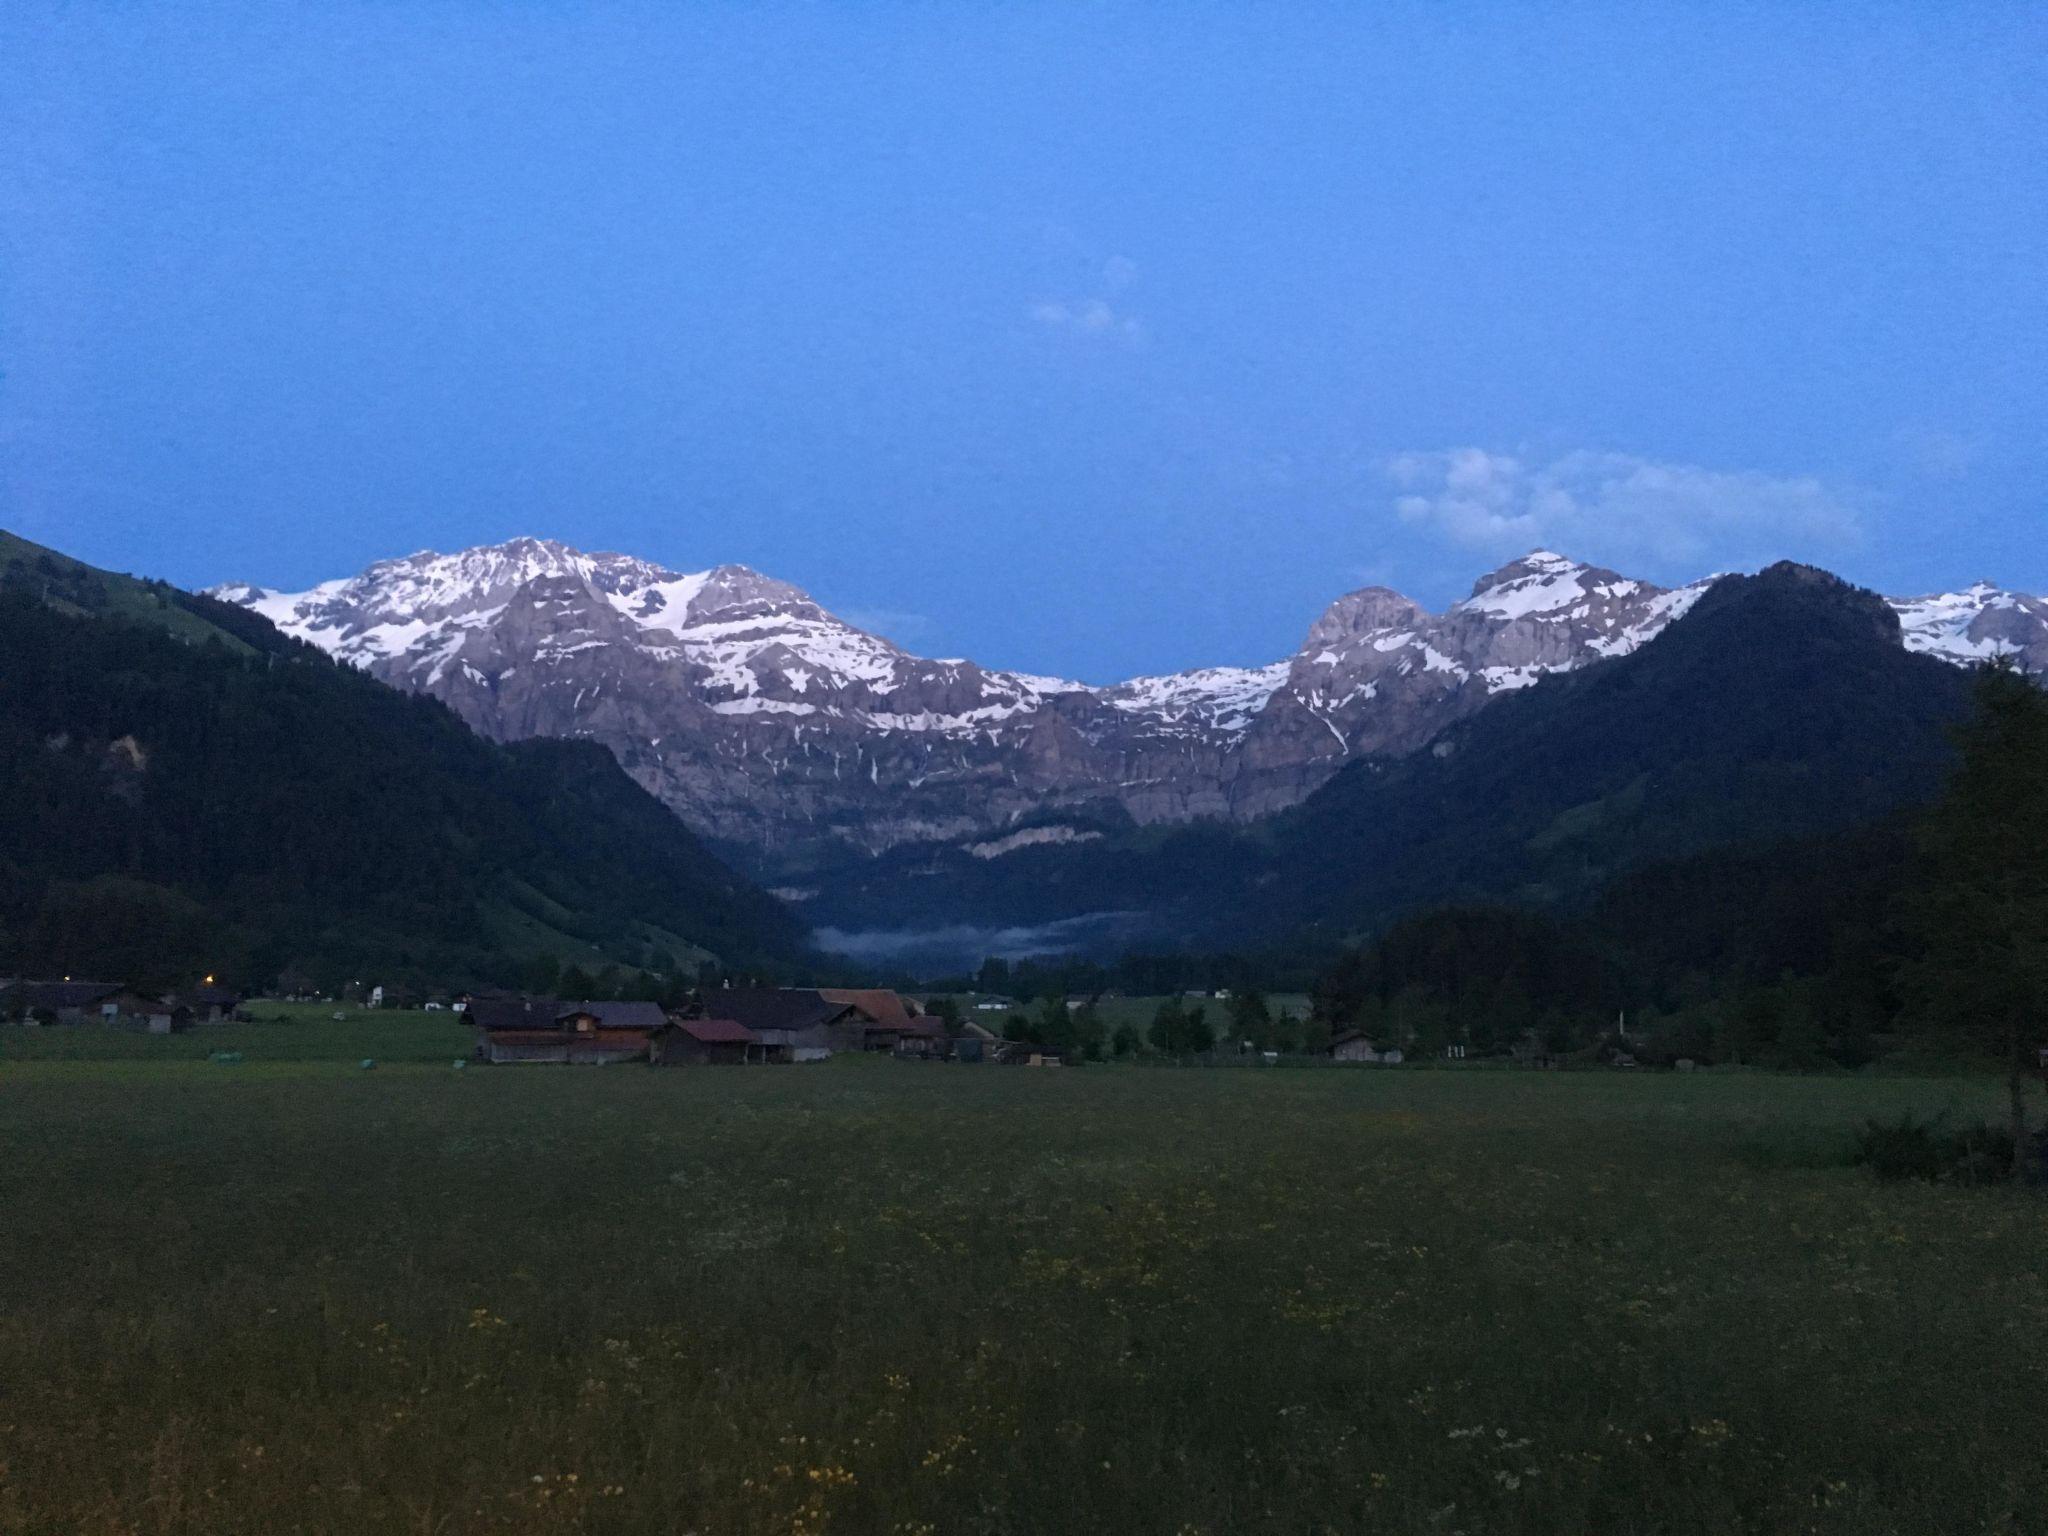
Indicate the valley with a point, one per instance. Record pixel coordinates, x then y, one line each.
806 749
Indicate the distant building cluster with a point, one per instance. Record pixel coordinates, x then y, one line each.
733 1026
115 1004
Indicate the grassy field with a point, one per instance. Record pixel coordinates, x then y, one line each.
282 1032
871 1296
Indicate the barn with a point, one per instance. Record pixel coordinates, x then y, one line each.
888 1022
546 1029
707 1043
790 1023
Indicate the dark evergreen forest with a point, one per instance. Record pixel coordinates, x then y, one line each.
191 792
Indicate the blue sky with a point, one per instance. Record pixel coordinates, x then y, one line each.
1090 339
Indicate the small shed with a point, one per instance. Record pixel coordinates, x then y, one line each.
141 1010
1356 1045
707 1043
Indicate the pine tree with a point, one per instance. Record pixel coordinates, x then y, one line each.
1980 913
1251 1019
1165 1033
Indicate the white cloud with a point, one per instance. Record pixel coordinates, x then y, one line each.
1096 317
1087 317
1615 507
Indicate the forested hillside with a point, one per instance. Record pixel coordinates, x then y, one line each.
190 791
1786 953
1926 930
1781 706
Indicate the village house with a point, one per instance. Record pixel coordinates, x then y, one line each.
889 1022
210 1004
59 1002
93 1002
1356 1045
546 1029
143 1010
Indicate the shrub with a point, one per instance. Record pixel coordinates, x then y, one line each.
1911 1148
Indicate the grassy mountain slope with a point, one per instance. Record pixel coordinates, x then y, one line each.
71 586
191 791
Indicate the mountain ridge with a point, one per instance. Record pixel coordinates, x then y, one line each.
1781 706
793 737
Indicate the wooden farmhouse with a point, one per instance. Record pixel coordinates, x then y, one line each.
889 1023
546 1029
736 1026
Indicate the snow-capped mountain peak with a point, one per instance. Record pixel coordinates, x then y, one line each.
1976 624
764 718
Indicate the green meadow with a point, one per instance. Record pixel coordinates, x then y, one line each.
292 1295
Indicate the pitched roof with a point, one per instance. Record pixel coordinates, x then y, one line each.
716 1031
877 1004
549 1012
207 997
774 1007
514 1012
927 1029
61 994
620 1015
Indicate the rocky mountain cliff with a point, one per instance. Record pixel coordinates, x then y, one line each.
777 728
